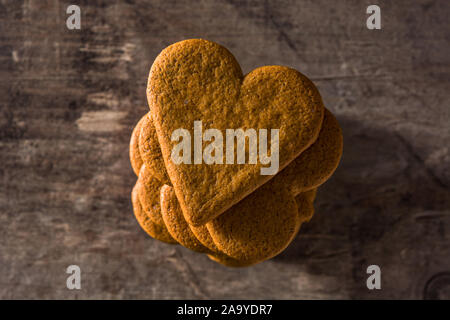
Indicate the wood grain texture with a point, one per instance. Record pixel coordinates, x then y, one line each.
69 101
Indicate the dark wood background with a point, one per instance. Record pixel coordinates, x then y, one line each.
70 98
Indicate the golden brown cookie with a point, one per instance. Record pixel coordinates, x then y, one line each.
152 229
180 230
198 80
305 212
149 195
229 262
305 204
310 195
135 156
317 163
258 227
202 235
188 239
175 222
150 151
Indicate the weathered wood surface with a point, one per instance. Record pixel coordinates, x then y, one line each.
69 100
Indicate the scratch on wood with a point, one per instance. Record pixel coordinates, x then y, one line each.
101 121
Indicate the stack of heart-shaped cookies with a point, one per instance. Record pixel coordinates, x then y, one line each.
229 209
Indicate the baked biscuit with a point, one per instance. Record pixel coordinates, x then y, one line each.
258 227
228 261
175 222
149 194
231 212
200 80
317 163
135 156
202 235
180 231
305 204
150 151
152 229
305 211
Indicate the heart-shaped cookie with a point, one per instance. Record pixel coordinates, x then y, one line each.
149 194
176 224
258 227
198 80
201 240
149 149
135 155
145 221
317 163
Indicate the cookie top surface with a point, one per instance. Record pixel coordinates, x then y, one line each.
305 204
316 164
175 222
228 261
258 227
202 235
135 156
149 194
150 151
152 229
198 80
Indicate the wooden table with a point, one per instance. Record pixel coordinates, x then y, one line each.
70 98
